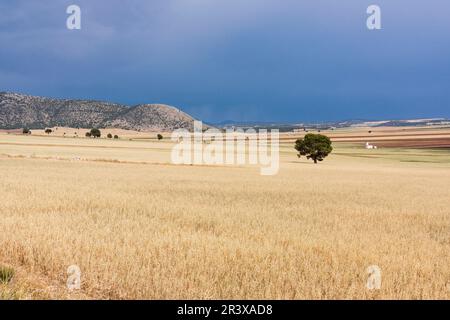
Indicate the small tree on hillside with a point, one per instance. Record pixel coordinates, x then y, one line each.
88 134
109 136
314 146
26 131
48 131
116 136
96 133
159 136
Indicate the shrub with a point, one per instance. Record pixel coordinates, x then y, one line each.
48 131
159 136
96 133
6 274
109 136
116 136
314 146
88 134
26 131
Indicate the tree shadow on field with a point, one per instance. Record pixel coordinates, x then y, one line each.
304 163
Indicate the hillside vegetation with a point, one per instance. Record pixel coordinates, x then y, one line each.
23 111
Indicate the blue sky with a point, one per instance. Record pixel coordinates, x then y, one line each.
244 60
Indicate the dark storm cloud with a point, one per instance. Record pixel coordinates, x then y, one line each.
244 60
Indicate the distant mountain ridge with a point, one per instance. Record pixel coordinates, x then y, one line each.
325 125
20 111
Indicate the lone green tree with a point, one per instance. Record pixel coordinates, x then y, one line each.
314 146
96 133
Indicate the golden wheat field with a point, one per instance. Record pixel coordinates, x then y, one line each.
140 227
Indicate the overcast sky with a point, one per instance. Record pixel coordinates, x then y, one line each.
264 60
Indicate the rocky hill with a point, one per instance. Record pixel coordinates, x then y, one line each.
20 111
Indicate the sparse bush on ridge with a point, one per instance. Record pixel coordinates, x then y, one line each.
26 131
96 133
48 131
109 136
159 136
116 136
88 134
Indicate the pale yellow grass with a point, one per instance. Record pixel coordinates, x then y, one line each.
158 231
